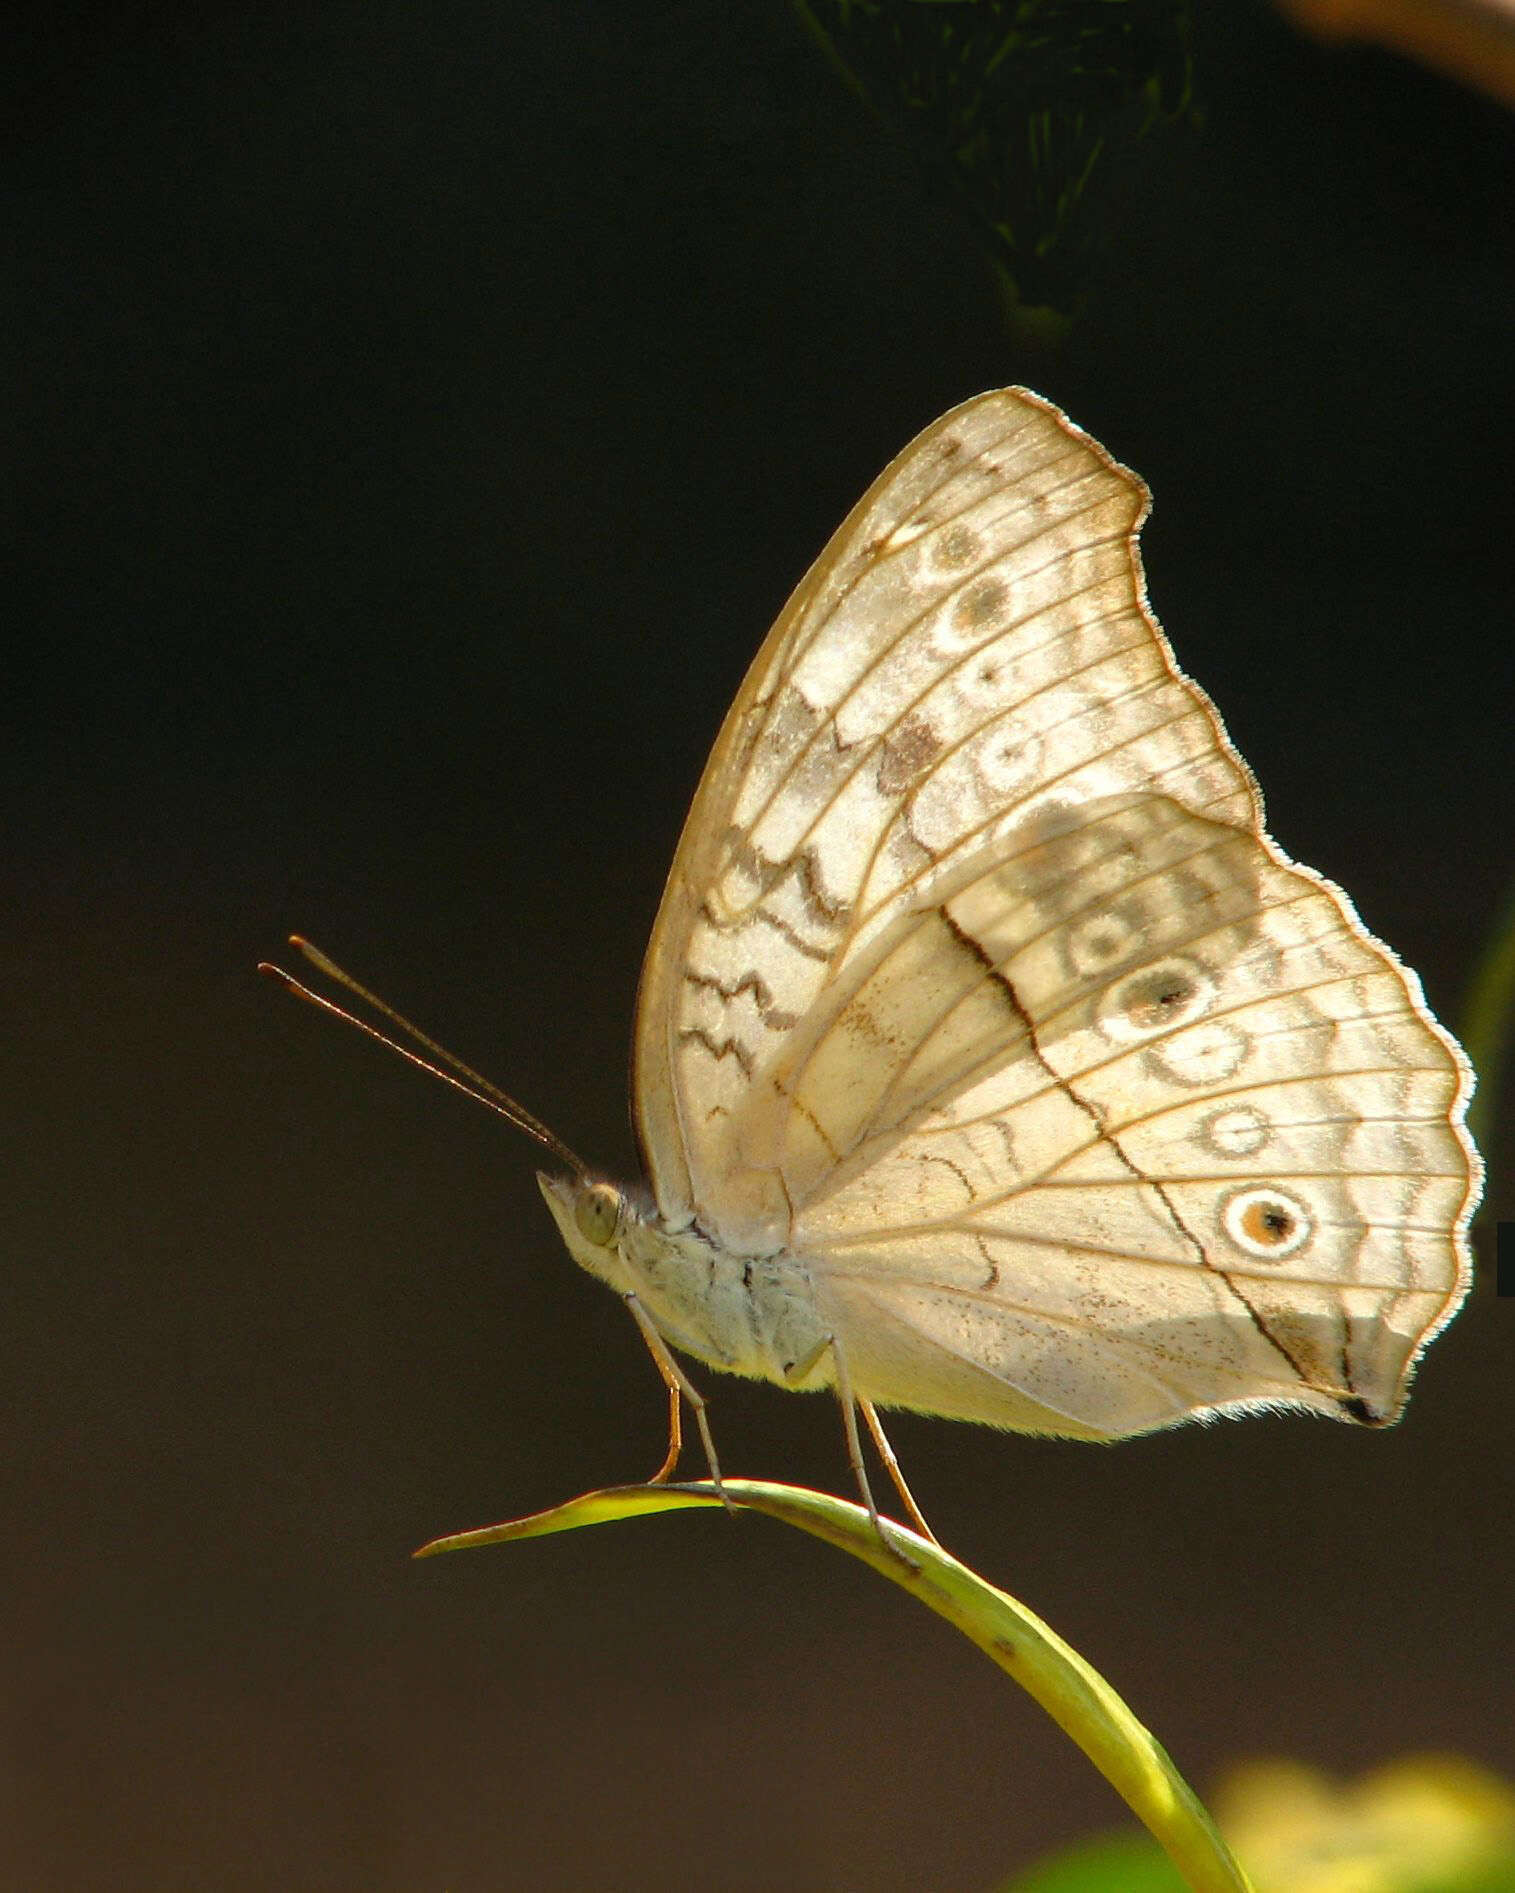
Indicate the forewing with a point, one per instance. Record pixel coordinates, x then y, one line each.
969 643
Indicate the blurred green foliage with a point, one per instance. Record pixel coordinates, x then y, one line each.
1487 1015
1423 1824
1010 107
1131 1862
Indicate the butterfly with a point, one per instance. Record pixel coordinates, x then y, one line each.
990 1060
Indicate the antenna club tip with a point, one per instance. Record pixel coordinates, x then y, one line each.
314 954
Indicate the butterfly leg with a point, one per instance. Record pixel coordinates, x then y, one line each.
675 1438
679 1386
850 1404
892 1466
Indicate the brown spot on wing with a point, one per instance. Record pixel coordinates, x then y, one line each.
908 752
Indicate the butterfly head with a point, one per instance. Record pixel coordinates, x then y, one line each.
591 1215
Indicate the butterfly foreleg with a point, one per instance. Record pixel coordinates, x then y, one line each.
675 1438
680 1387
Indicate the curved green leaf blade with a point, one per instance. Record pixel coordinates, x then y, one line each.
1076 1697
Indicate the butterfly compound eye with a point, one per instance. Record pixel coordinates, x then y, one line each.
598 1213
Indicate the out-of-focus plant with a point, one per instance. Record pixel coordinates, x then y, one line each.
1010 107
1488 1015
1426 1824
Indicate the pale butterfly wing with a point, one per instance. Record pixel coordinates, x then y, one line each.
978 988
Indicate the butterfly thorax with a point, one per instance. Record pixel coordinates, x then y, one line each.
752 1315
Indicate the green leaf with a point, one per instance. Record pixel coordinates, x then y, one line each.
1076 1697
1110 1863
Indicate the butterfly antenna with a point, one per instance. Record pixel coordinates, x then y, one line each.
460 1076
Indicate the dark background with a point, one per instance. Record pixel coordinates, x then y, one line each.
418 414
